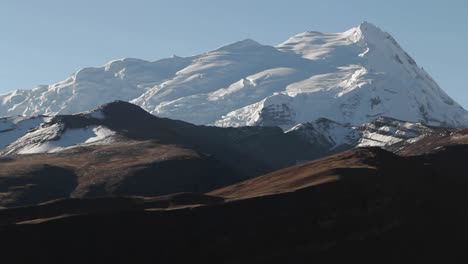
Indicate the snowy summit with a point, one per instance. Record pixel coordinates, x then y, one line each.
351 78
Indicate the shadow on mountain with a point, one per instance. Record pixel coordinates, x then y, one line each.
37 184
366 205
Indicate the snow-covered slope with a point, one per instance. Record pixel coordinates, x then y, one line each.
328 133
372 76
350 77
387 132
53 138
48 135
384 132
12 128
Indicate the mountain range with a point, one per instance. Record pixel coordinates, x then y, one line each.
350 78
328 148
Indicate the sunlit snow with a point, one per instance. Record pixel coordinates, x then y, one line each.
350 77
52 141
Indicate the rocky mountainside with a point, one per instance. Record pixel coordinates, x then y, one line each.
120 149
350 78
388 133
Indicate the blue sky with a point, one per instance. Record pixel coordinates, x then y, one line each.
45 41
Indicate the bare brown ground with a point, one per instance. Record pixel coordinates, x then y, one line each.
296 177
435 142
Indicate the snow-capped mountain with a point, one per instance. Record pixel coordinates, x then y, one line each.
351 78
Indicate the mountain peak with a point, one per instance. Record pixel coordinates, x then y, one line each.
122 107
367 25
240 45
364 32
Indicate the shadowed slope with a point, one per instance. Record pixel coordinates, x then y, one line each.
378 207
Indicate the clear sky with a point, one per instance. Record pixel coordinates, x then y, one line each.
45 41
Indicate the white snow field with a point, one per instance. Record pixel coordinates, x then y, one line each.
54 138
351 78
